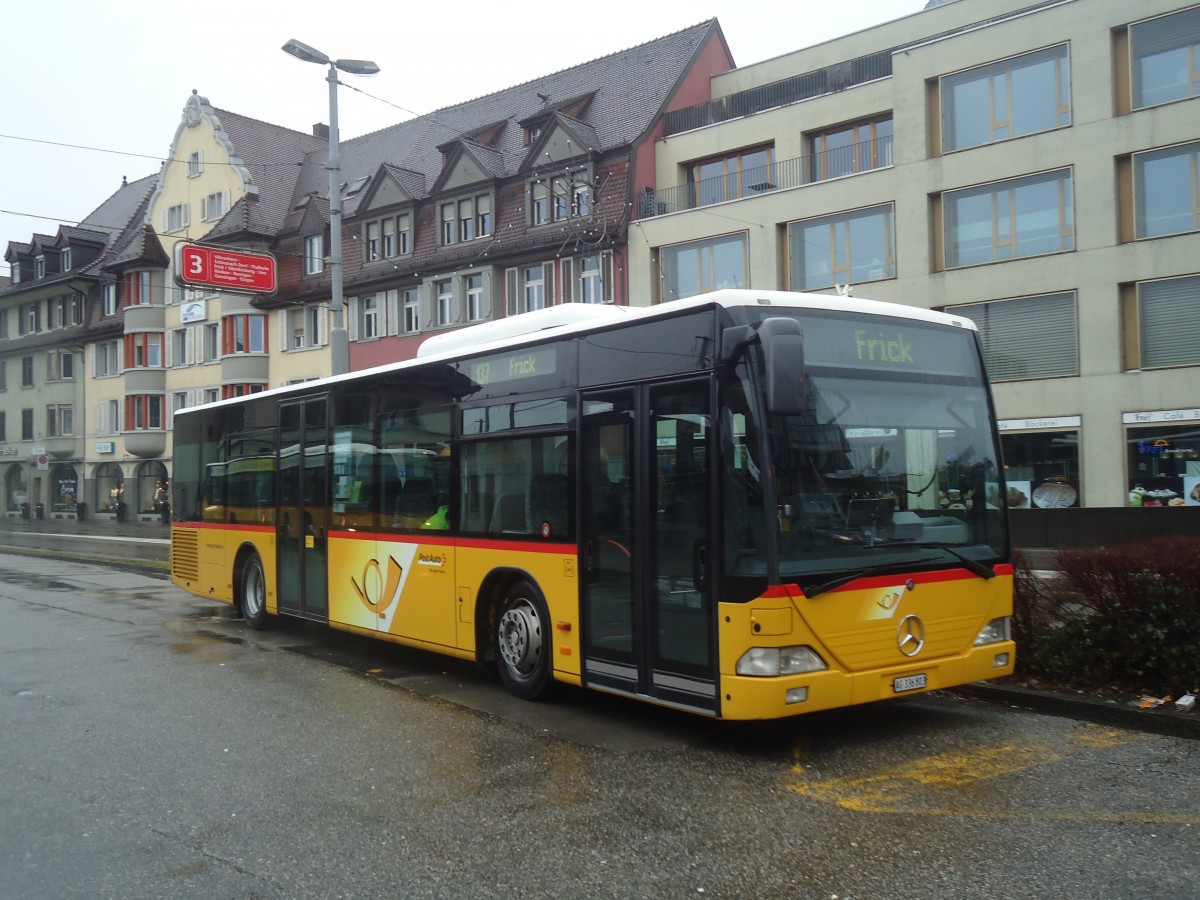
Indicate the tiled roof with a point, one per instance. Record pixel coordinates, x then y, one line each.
627 90
116 213
273 156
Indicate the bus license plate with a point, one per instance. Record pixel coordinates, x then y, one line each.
909 683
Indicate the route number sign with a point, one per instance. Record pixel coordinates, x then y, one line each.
238 271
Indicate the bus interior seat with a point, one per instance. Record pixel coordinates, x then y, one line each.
547 502
509 513
416 500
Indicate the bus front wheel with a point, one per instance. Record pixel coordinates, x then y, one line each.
522 635
252 593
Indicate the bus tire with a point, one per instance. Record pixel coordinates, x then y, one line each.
522 638
252 593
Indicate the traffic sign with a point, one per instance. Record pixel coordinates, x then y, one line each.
239 271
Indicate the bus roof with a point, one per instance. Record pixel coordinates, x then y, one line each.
576 318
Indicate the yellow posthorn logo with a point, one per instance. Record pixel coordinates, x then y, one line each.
375 600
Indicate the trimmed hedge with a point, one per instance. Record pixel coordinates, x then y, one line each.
1124 618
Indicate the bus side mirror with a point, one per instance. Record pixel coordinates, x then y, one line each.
783 355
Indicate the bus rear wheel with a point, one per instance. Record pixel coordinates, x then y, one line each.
252 593
522 636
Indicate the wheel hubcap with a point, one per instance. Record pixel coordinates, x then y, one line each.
252 602
520 638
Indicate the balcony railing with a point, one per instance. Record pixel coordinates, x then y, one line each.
778 176
828 80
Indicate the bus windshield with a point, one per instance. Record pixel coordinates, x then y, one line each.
892 461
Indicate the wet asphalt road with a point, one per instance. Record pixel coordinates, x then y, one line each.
153 747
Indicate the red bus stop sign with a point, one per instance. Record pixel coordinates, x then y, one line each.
239 271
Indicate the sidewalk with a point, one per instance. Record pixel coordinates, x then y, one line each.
135 525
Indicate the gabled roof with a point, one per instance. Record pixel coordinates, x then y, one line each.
618 95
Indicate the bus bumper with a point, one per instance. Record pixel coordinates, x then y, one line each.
745 697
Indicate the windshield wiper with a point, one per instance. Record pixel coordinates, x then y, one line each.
983 570
865 573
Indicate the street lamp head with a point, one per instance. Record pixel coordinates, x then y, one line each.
313 55
357 66
306 53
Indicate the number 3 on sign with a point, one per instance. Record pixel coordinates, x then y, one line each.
195 261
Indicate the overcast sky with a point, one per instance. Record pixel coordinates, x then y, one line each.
112 76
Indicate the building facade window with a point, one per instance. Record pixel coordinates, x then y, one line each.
108 416
229 391
143 350
1167 190
65 260
1029 216
304 328
372 242
1027 337
701 266
476 301
314 254
1165 58
1167 318
539 203
212 342
404 242
447 312
39 267
108 299
411 300
138 288
60 420
27 425
591 280
732 176
850 149
143 412
368 317
846 248
176 217
31 320
213 206
107 358
195 164
26 371
533 288
61 365
466 219
244 333
1007 99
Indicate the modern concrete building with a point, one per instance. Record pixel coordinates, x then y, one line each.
1032 166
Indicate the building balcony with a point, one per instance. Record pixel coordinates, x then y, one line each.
146 444
64 447
852 159
142 317
239 368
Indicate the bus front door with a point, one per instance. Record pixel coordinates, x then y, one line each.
645 542
303 509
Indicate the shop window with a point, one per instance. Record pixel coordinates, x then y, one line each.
1164 465
1041 469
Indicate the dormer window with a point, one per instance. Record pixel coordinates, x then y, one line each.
65 259
466 219
39 267
314 254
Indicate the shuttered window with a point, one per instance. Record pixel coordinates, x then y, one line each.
1165 58
1027 337
1169 322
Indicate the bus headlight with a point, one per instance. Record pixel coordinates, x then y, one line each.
995 631
769 661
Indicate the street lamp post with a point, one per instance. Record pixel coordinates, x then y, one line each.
339 343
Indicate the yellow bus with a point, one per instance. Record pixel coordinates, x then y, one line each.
748 504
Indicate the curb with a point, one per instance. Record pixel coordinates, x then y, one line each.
1164 721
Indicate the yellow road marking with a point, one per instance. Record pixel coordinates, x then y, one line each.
953 784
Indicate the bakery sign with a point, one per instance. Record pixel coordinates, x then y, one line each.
1045 422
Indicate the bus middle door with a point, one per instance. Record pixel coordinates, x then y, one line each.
646 547
302 519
